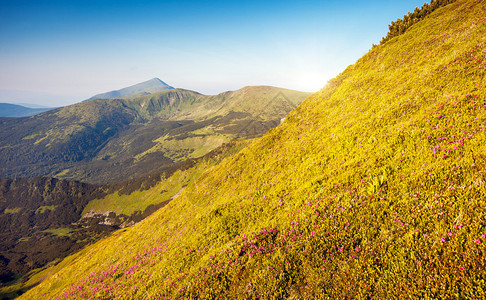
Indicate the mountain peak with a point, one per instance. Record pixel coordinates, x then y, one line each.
156 80
143 88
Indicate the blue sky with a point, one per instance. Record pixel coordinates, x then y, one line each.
61 52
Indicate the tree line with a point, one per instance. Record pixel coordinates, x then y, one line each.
400 26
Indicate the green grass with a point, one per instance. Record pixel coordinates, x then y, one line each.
190 147
12 210
374 187
46 208
59 231
140 200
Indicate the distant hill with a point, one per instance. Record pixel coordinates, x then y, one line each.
372 188
15 110
105 141
144 88
32 105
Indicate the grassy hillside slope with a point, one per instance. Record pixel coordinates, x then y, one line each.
106 141
372 188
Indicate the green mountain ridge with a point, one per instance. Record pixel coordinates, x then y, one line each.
371 188
105 141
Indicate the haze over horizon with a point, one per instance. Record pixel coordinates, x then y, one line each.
57 53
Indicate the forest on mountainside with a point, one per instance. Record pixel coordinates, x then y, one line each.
400 26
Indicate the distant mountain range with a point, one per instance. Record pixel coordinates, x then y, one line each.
108 140
151 86
32 105
16 110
